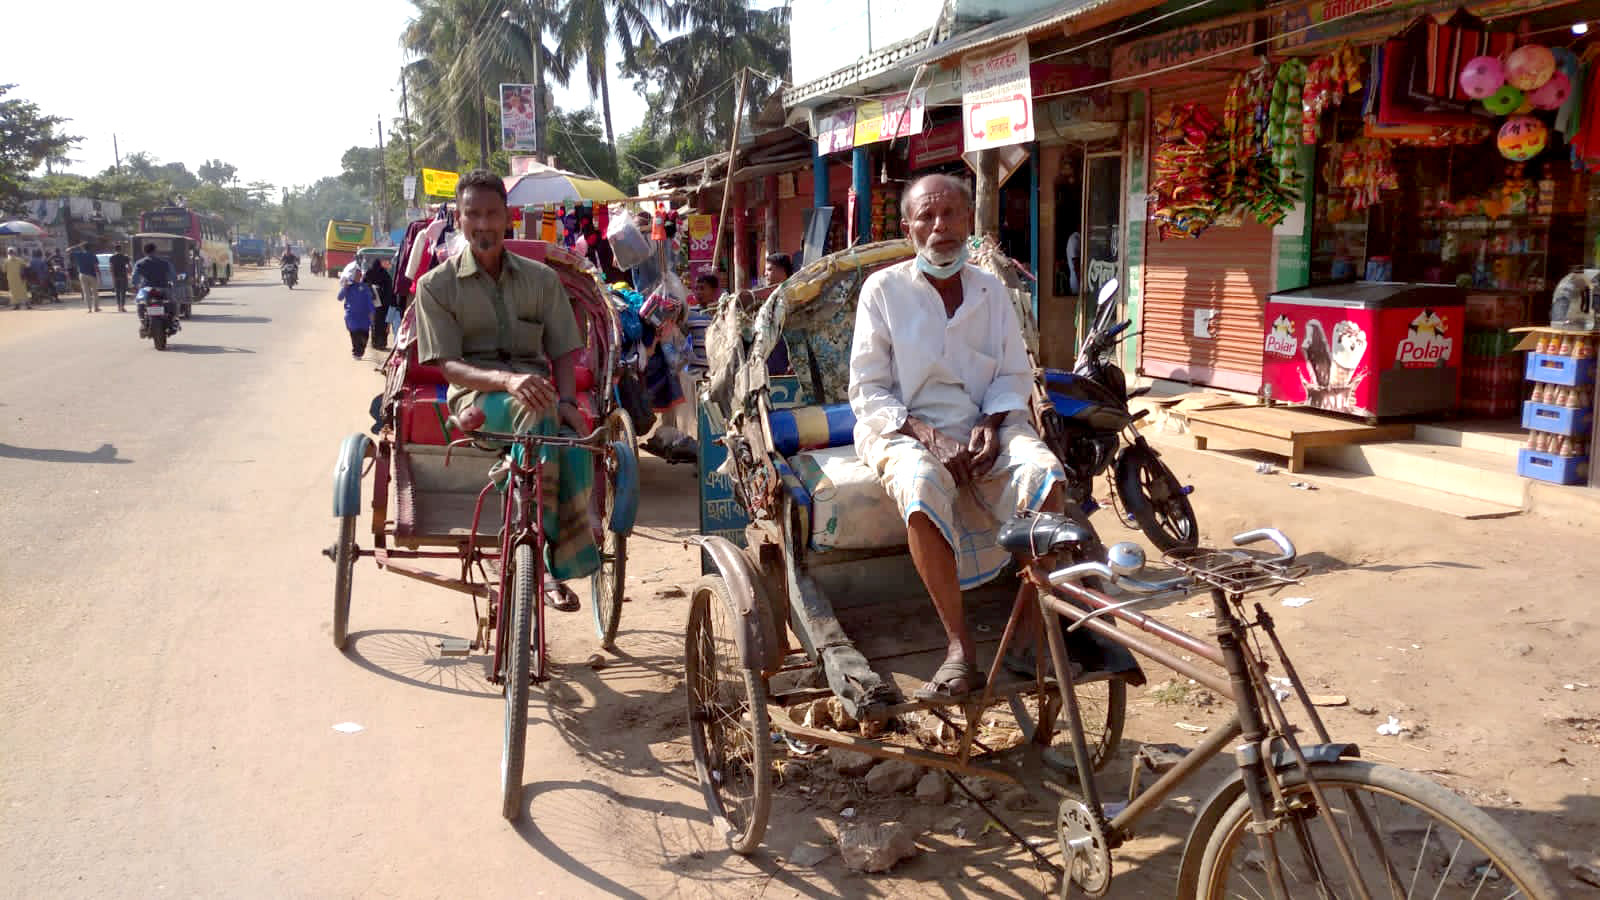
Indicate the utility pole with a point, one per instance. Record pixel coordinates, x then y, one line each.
737 269
536 35
405 110
116 155
382 195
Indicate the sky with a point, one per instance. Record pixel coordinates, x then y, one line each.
279 89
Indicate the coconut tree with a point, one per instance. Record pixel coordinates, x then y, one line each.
584 29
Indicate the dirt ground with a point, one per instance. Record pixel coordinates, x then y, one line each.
171 686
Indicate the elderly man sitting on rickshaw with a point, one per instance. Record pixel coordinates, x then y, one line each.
939 384
502 330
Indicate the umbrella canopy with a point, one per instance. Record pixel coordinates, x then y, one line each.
543 184
19 228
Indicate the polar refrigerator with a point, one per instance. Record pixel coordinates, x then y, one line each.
1368 349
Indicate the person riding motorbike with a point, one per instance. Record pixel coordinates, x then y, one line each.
151 271
289 258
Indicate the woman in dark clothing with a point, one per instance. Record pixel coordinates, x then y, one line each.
383 287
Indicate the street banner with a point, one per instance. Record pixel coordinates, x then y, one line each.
439 183
408 187
836 131
516 117
702 242
996 98
895 116
1183 45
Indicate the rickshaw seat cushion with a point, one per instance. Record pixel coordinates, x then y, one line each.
424 414
849 508
1042 534
812 428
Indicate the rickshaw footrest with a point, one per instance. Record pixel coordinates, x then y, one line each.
455 647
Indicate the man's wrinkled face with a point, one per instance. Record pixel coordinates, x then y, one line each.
482 218
939 222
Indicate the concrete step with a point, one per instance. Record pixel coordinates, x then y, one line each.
1504 439
1480 474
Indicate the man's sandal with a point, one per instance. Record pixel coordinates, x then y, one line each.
559 597
942 685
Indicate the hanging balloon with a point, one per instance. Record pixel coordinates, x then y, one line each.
1482 76
1524 108
1522 138
1552 93
1529 67
1503 101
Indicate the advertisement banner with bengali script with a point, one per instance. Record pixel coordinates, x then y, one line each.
439 183
516 117
996 97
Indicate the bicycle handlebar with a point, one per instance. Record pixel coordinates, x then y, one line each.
594 440
1075 574
1285 546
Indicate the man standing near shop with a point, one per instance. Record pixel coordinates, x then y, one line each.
939 384
17 279
121 266
87 267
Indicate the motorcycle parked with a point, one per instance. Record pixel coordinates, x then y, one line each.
158 315
1087 423
290 273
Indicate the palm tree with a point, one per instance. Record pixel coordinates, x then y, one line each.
694 71
584 30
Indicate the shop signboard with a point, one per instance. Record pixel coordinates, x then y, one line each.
1314 22
702 229
408 187
895 116
996 98
937 146
516 117
836 131
1184 45
439 183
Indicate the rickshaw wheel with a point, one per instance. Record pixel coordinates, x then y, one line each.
519 639
344 568
1103 705
728 726
607 585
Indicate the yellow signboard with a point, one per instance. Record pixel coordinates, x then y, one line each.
439 183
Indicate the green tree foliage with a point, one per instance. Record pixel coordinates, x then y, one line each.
579 146
27 139
583 30
217 172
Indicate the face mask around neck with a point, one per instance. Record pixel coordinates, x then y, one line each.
932 269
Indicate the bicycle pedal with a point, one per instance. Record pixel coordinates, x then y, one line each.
1159 758
455 647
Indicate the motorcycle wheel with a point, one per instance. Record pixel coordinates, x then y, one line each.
1155 499
160 336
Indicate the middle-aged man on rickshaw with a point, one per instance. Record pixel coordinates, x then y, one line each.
502 330
939 384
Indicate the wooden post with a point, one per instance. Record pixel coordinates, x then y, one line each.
772 237
739 279
986 219
727 184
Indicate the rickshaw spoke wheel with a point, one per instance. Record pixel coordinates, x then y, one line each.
344 563
606 586
515 654
728 726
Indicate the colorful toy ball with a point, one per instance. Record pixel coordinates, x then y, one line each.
1482 76
1529 67
1522 138
1552 93
1503 101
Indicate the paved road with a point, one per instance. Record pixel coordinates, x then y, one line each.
171 689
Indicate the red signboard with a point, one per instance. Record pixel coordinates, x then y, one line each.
937 146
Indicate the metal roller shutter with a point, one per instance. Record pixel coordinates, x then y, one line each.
1227 270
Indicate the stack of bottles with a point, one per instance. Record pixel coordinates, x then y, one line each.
1491 378
1559 413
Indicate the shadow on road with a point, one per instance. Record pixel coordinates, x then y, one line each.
206 349
412 658
234 320
105 453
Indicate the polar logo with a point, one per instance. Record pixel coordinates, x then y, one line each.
1421 351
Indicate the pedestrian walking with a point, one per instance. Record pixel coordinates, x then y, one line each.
121 266
383 288
359 303
39 274
17 278
87 267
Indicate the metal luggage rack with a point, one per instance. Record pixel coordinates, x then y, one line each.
1234 572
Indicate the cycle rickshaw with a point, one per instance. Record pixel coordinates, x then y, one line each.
433 497
824 559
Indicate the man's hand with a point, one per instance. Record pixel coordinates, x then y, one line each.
984 446
949 452
531 390
572 417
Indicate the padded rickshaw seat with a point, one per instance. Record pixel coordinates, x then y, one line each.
848 507
1042 534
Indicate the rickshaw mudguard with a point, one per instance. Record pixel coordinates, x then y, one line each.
347 475
1210 812
625 505
757 638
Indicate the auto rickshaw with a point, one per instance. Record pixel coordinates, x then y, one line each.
366 255
184 256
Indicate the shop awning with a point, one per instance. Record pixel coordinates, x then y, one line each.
1100 11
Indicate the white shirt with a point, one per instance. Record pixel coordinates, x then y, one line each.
907 357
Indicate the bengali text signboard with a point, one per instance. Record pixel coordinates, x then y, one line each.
836 131
996 98
1183 45
439 183
702 229
895 116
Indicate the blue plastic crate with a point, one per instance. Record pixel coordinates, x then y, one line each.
1563 420
1552 468
1564 370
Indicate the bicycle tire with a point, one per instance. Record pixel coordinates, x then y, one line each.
344 562
1496 851
516 680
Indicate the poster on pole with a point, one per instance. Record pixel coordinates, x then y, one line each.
516 117
702 229
895 116
408 186
996 97
439 183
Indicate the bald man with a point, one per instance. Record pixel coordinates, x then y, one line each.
939 384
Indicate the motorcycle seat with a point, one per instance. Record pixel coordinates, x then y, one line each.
1030 534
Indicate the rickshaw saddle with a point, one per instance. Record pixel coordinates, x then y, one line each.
1031 535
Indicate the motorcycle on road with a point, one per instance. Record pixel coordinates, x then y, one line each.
1085 423
158 315
290 273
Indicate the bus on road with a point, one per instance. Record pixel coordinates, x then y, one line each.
206 230
343 240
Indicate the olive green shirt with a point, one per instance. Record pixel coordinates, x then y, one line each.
518 323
